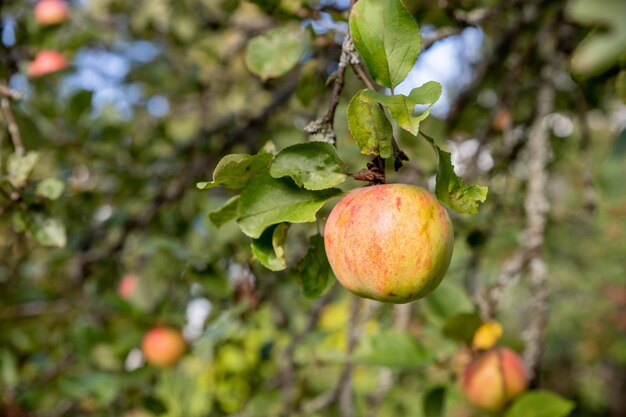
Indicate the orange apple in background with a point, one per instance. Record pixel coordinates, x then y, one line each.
51 12
127 286
493 379
390 242
46 62
163 346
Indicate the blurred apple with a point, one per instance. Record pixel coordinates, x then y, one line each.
46 62
163 346
127 286
51 12
493 379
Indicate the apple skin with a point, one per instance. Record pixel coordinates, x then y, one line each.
390 242
127 286
46 62
51 12
493 379
162 346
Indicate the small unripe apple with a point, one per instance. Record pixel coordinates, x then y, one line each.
127 286
390 242
51 12
46 62
493 379
163 346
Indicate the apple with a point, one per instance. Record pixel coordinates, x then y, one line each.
127 286
162 346
493 379
390 242
51 12
46 62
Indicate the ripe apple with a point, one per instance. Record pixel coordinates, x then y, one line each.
390 242
46 62
163 346
51 12
127 285
493 379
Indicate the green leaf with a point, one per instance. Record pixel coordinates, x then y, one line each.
461 327
446 301
314 270
269 248
312 165
620 85
49 232
540 404
450 189
226 213
266 201
19 168
387 38
402 108
434 402
235 170
390 348
602 48
267 5
369 126
50 188
275 52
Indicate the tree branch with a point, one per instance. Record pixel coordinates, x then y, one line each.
14 131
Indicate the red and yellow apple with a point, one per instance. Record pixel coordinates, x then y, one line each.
51 12
493 379
162 346
390 242
46 62
127 286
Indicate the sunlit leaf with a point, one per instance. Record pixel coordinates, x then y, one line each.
540 404
266 201
225 213
235 170
50 188
402 108
387 38
20 167
275 52
312 165
451 190
369 126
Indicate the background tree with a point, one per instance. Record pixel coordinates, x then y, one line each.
113 111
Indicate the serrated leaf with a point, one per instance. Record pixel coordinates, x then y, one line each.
369 126
387 38
402 108
235 170
312 165
434 402
269 248
226 213
266 201
450 189
540 404
601 48
49 232
19 168
462 327
50 188
390 348
314 270
275 52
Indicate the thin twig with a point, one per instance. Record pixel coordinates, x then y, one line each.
10 93
589 192
536 206
14 131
